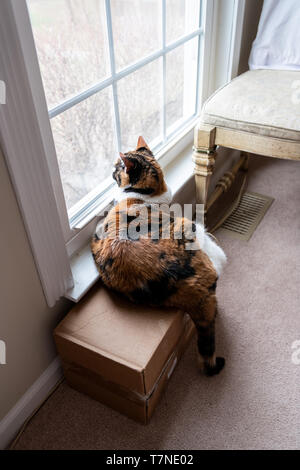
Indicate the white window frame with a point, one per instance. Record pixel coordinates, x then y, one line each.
84 210
30 151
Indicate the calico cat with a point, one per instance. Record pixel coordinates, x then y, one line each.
148 267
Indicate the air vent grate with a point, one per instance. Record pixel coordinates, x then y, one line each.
245 218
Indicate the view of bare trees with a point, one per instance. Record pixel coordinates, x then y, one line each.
72 45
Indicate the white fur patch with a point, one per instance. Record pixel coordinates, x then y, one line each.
213 251
165 198
206 244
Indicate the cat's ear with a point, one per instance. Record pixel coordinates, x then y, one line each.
142 143
129 164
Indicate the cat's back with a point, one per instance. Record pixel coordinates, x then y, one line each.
125 254
133 257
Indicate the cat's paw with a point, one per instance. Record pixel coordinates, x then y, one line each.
216 368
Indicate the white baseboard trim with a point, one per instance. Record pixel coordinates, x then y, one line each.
35 395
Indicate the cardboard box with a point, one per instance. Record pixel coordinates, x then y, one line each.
120 353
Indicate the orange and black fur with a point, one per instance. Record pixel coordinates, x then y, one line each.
156 270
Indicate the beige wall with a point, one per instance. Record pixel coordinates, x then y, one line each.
251 19
26 322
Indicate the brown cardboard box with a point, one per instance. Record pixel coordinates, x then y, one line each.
120 353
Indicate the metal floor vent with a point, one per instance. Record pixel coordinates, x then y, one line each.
245 218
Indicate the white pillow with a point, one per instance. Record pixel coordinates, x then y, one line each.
277 43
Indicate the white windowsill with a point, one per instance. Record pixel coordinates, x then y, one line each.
85 274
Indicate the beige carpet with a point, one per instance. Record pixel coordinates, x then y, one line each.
255 402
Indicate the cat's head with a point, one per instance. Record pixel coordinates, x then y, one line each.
138 171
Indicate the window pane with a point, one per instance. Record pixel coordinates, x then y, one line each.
72 46
84 138
182 17
140 98
181 82
136 29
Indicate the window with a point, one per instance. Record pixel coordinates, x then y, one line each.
113 70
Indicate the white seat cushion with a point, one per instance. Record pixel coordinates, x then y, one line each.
265 102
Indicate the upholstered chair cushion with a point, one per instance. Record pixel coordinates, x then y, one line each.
265 102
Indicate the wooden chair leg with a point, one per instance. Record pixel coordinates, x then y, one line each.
204 154
246 162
